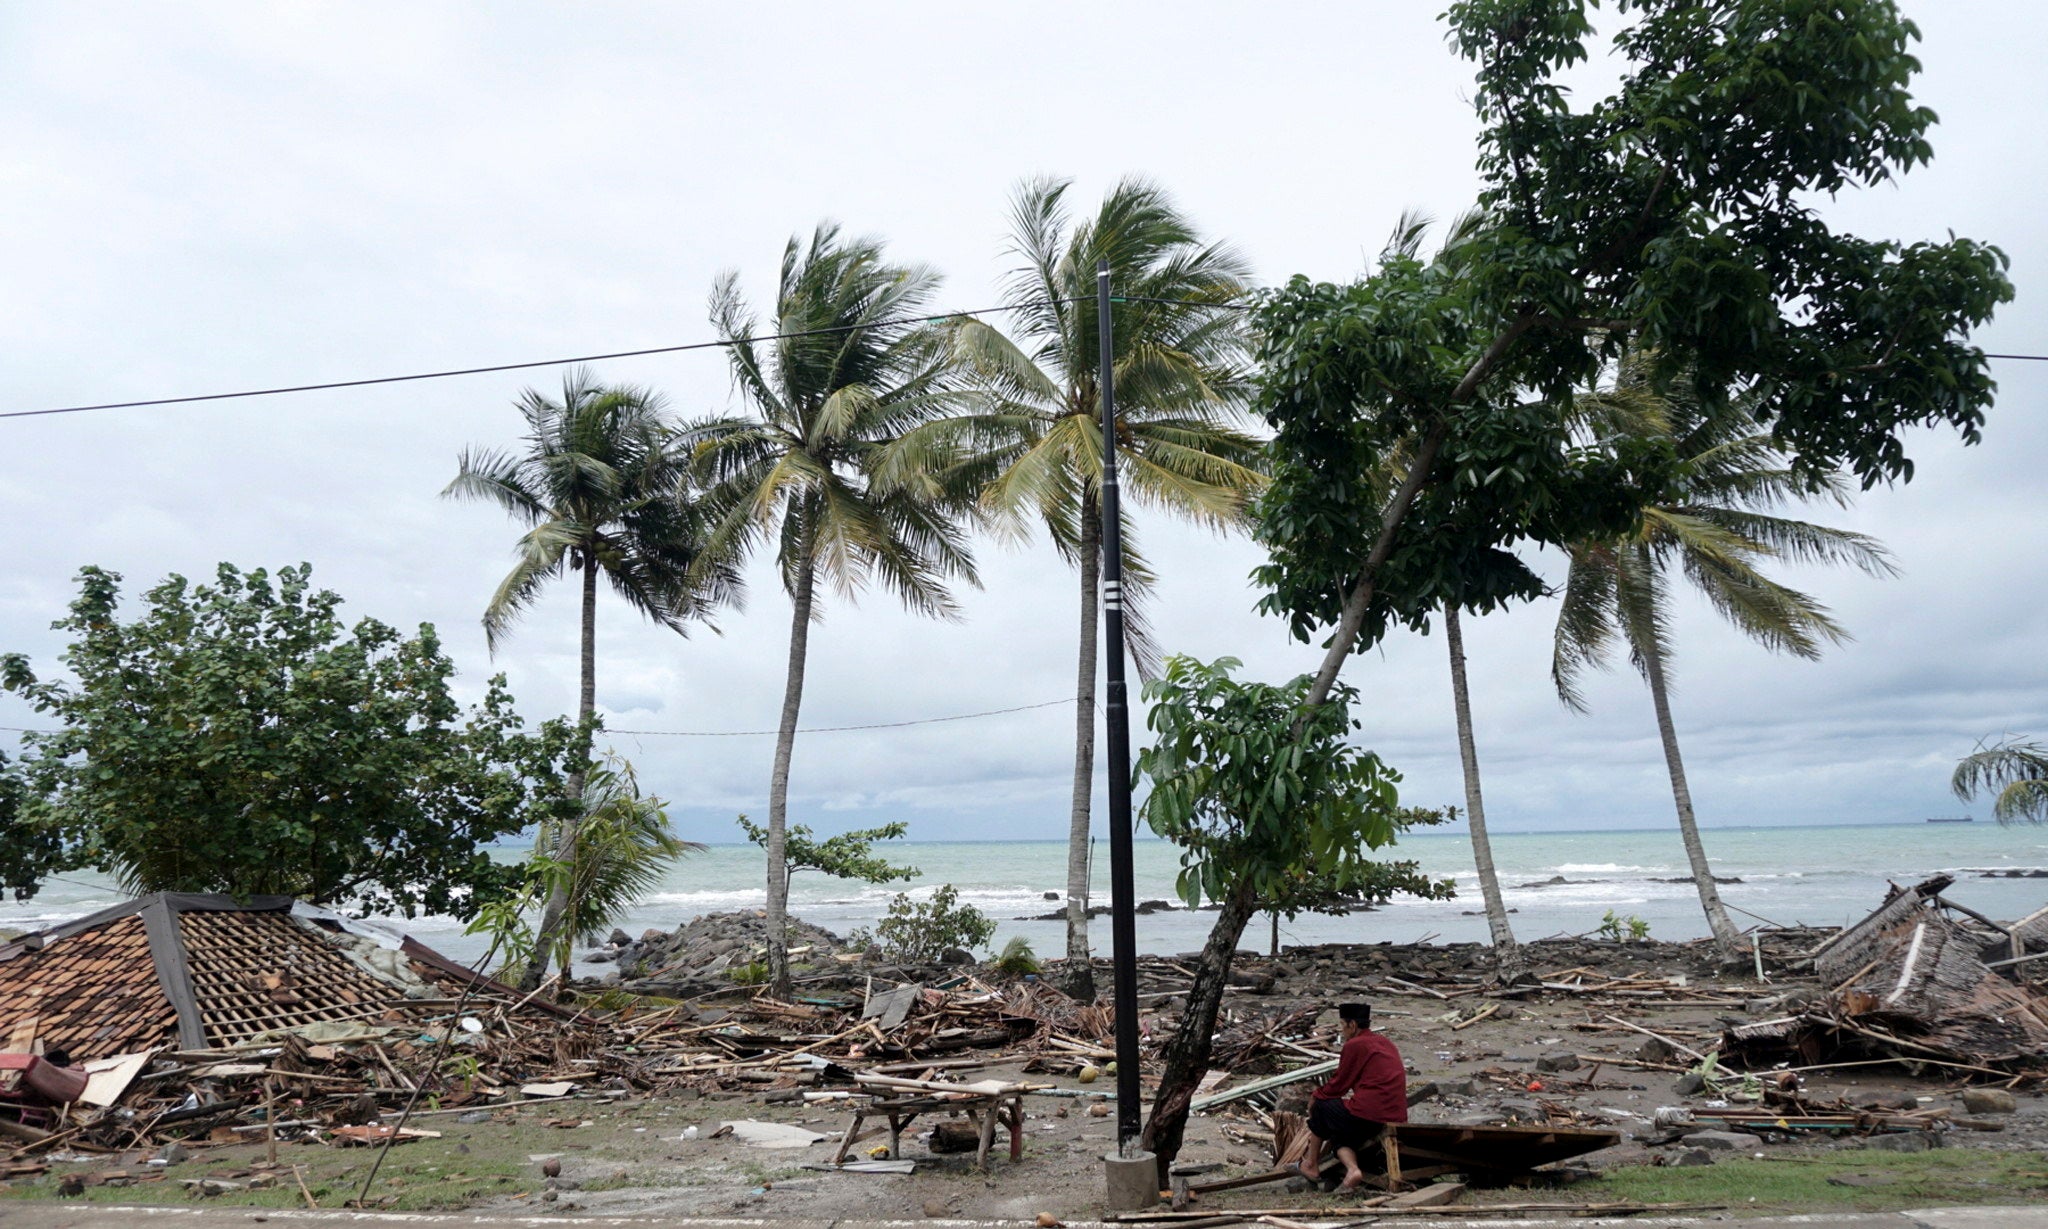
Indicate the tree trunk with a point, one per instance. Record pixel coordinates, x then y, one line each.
778 782
1080 966
1185 1059
1507 954
1726 939
555 912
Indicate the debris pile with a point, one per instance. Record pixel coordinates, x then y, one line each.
1913 982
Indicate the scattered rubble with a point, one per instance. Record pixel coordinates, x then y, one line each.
196 1021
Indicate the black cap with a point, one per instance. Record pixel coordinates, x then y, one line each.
1358 1013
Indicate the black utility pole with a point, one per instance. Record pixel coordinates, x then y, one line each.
1123 921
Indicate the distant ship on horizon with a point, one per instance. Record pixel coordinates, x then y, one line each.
1953 819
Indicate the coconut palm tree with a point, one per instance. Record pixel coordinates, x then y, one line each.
600 485
1181 376
812 468
1716 528
2017 768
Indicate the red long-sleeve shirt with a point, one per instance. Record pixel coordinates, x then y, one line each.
1371 1082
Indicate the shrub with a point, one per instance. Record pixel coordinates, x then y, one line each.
920 932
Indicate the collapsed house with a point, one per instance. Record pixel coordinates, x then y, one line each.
194 972
1921 979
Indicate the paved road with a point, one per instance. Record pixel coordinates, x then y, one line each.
104 1216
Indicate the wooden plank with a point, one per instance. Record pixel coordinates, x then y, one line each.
1430 1196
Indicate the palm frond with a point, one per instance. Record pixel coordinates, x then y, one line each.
2017 768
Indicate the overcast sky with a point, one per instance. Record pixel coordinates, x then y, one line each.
207 197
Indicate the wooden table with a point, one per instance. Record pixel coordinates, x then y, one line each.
985 1110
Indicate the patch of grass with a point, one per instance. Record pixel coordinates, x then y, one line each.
1800 1183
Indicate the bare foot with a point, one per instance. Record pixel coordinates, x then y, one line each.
1352 1181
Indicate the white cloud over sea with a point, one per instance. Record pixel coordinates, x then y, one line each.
220 196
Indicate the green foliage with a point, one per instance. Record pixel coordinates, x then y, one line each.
1715 523
2017 768
1628 929
1017 958
602 484
920 932
1678 216
850 855
754 973
238 737
1034 438
1333 894
812 467
621 849
1252 806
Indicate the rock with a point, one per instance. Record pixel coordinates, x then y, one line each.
1686 1157
1508 1011
1721 1141
936 1209
1522 1111
956 956
1455 1088
1691 1084
1557 1060
1656 1050
1052 896
602 956
1908 1141
175 1153
620 938
1988 1101
475 1116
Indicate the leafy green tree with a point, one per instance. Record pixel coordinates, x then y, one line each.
1678 216
812 469
849 855
2017 768
600 483
239 737
1181 379
1332 895
1260 813
1715 525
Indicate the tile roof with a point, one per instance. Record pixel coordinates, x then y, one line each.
94 994
175 968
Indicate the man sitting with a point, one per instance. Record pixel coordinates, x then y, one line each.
1368 1091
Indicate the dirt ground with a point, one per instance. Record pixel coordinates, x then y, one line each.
629 1155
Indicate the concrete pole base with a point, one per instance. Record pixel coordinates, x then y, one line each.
1133 1181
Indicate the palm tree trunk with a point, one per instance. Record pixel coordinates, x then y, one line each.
1725 937
778 782
1080 966
554 913
1507 954
1185 1058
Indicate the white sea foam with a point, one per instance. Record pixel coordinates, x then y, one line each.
1607 868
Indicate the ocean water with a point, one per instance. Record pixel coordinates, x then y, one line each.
1811 875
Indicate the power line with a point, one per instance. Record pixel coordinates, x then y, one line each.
524 366
816 729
